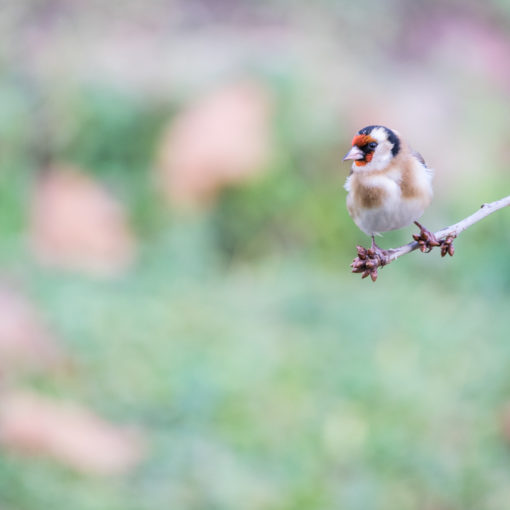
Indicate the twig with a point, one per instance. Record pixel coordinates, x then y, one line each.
444 235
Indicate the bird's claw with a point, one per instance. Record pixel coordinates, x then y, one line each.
369 260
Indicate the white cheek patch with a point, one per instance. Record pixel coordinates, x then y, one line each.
382 156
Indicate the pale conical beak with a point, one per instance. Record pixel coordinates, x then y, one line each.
355 153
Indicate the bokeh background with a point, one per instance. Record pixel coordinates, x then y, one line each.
179 327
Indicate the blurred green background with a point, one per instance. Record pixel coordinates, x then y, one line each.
173 226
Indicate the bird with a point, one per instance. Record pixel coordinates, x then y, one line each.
389 187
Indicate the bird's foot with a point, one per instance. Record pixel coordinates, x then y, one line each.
427 240
369 260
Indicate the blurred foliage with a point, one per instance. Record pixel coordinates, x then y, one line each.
300 402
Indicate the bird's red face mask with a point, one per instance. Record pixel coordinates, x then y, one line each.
362 151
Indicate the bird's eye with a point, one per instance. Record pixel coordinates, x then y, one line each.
372 145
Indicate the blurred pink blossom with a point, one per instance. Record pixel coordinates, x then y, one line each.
25 341
77 224
73 435
222 139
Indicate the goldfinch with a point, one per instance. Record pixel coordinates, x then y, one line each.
389 186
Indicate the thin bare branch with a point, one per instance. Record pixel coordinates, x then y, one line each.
444 235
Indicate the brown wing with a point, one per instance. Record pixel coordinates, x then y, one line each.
419 157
